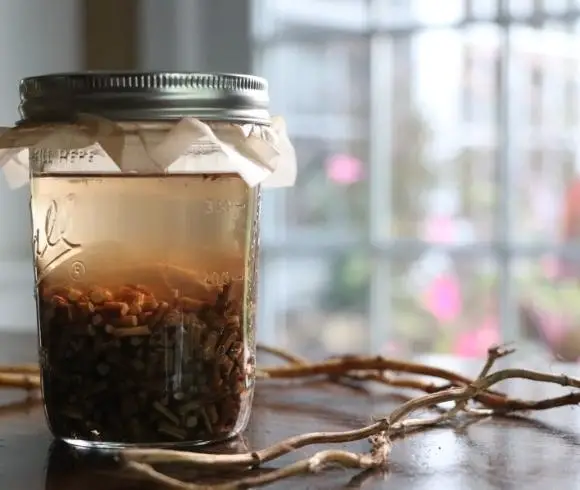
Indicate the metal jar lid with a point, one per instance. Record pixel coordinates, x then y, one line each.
131 96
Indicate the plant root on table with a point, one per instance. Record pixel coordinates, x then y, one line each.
473 398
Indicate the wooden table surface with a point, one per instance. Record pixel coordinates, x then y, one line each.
542 451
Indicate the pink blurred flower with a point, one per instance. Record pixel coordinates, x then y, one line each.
551 327
441 229
475 343
344 169
443 298
554 329
550 267
565 270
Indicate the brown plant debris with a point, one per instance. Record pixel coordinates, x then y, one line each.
22 380
124 365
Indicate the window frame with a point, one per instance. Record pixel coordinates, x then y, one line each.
277 241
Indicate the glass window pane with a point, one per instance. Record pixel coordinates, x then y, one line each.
556 6
545 102
527 8
444 304
322 301
430 13
445 134
483 9
521 8
408 13
331 188
443 93
392 13
549 310
295 18
320 87
322 92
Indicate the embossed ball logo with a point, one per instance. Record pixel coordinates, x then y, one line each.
52 246
77 270
56 225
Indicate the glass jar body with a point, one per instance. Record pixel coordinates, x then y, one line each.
145 287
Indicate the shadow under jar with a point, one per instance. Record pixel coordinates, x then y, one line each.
146 280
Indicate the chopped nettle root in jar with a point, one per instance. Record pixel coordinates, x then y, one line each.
125 366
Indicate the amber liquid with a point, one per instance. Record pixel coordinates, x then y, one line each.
195 222
145 286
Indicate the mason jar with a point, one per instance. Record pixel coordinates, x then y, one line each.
145 200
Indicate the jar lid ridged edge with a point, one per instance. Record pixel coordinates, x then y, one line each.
146 95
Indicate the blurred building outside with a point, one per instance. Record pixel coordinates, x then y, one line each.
451 71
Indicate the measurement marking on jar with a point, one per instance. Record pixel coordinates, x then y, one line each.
222 206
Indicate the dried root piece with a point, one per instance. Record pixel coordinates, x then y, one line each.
21 369
19 380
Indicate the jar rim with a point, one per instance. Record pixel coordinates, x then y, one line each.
145 96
